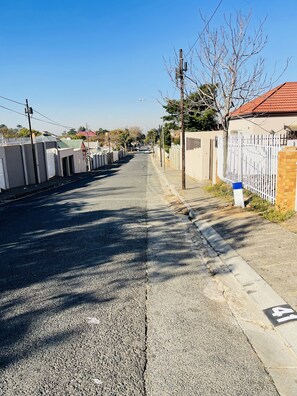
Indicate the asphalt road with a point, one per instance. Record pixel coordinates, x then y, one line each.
103 292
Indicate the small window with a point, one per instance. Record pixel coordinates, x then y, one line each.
193 143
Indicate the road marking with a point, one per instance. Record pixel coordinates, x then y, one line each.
280 314
93 320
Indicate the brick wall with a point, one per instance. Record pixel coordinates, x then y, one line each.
286 178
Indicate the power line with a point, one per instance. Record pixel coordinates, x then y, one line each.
11 100
14 111
208 22
52 122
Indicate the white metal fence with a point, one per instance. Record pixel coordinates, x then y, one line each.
25 140
253 161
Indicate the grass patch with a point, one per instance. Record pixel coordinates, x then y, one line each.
258 204
221 190
275 214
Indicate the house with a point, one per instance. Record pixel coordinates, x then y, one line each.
87 134
274 112
72 156
73 143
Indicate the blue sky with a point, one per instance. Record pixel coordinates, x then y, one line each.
90 61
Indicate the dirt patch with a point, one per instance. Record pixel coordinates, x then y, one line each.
176 205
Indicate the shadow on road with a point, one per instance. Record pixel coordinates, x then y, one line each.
63 253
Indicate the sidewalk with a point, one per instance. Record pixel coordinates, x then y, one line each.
268 248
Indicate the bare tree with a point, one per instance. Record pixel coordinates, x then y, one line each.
135 133
229 57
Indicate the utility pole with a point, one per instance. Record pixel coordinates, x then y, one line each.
180 76
29 111
163 138
160 141
88 156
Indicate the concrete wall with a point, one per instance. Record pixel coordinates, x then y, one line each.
261 125
17 167
110 158
79 161
41 162
14 164
200 154
28 159
12 167
98 160
115 156
175 157
3 170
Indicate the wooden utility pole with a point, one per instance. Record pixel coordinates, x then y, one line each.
160 141
180 76
88 156
163 138
29 111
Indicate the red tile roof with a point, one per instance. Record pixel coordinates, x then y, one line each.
86 133
282 99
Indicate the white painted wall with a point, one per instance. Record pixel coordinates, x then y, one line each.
261 125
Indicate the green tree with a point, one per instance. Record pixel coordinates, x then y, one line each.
76 137
24 132
7 132
125 138
198 115
152 136
101 130
167 136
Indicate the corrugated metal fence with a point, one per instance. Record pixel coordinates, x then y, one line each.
253 160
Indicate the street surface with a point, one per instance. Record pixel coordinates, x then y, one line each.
104 292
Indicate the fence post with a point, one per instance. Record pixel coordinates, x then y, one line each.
286 178
239 158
